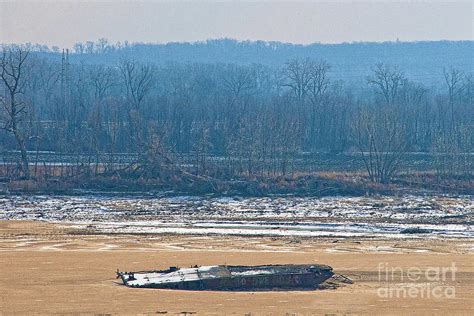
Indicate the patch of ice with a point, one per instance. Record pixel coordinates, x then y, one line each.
282 216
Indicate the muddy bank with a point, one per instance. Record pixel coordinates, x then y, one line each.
299 184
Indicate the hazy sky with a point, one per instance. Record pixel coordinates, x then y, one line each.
66 22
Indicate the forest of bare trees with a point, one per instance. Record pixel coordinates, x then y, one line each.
225 120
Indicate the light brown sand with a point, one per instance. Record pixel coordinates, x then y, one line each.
46 268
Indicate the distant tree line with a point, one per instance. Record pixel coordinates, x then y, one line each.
421 61
257 119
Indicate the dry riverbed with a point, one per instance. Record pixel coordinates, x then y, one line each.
57 268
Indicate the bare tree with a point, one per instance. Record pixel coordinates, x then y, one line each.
381 141
102 45
470 88
319 80
102 79
13 73
138 79
317 87
47 77
238 80
297 76
387 82
79 48
456 82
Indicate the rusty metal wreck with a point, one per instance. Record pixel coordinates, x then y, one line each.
231 278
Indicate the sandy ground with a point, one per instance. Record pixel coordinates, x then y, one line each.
51 268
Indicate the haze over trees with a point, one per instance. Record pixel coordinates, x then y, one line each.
116 107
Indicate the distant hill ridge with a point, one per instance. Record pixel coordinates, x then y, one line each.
421 61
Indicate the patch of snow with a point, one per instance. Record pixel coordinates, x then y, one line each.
443 216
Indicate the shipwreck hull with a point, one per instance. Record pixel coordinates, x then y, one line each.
227 278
